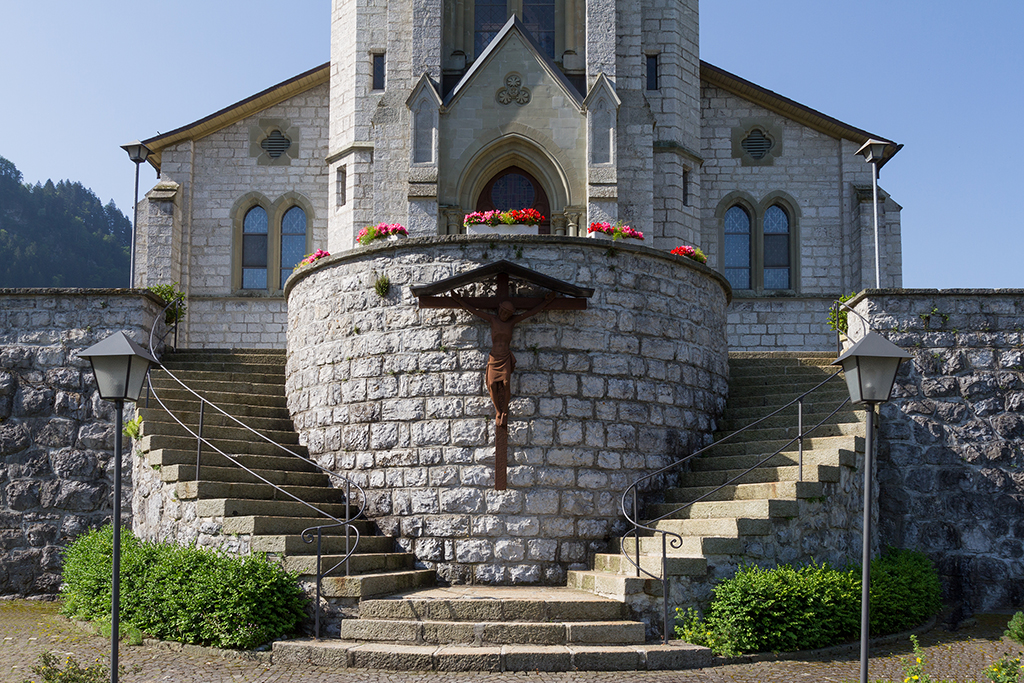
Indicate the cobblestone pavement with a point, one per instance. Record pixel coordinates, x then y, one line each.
27 628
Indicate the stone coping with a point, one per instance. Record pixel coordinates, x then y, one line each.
78 291
539 240
967 292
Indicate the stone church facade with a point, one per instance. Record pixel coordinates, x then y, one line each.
430 109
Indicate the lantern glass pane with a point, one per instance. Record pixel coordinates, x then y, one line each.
851 370
111 376
137 377
877 377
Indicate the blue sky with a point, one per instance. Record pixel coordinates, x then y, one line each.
944 78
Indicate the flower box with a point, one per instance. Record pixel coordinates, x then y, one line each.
513 222
381 231
501 229
618 231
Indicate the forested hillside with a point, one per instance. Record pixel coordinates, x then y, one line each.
59 235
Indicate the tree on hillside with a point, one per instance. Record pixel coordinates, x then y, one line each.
59 235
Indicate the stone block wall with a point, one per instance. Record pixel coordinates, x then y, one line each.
951 441
393 397
780 324
56 434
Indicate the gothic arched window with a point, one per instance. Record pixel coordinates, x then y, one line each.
737 247
254 248
776 248
539 19
293 240
537 15
516 188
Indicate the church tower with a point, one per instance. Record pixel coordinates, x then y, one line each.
587 110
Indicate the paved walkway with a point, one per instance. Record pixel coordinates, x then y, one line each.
30 627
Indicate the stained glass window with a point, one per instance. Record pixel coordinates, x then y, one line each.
293 240
737 247
488 18
539 19
254 249
512 191
776 249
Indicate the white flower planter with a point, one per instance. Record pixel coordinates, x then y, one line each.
599 236
501 229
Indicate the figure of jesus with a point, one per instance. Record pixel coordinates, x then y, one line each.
501 362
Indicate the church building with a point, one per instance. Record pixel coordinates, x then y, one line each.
585 110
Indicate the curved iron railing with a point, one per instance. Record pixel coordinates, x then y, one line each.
308 534
669 539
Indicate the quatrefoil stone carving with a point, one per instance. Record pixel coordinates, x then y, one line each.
514 90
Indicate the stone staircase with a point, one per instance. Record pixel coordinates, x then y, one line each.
770 515
477 628
230 502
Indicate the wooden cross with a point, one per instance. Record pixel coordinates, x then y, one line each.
501 362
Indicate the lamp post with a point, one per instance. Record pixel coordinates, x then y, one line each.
120 366
138 153
870 367
873 152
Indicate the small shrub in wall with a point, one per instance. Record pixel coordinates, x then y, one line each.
182 593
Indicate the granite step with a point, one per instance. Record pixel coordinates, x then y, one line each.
213 418
376 583
188 490
175 473
216 434
237 507
676 563
746 491
276 526
156 442
360 563
340 654
727 509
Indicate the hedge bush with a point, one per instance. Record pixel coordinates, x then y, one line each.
785 609
182 593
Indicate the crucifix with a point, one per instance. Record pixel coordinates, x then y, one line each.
501 362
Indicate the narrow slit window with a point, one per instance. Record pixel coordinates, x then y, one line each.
341 189
652 72
378 71
686 188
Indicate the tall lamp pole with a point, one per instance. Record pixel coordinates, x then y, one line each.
873 152
138 153
120 366
870 367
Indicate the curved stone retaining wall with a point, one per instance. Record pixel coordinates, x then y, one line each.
394 396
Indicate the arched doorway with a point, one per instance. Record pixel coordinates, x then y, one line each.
515 188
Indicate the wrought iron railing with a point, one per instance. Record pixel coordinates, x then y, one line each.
352 534
670 539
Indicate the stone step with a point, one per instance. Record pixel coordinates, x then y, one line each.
359 563
812 472
719 527
174 473
162 383
236 507
676 564
744 448
485 633
494 604
276 526
186 444
164 457
217 397
236 372
786 433
211 418
240 410
340 654
741 371
821 406
727 509
755 491
788 418
691 546
379 583
211 354
187 490
614 586
292 544
216 434
766 400
815 452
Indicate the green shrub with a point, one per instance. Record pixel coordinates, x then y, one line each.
169 293
785 608
183 593
1015 629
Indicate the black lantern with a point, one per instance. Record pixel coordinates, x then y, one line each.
120 366
870 367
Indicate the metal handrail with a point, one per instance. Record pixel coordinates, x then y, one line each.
836 305
629 496
307 534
